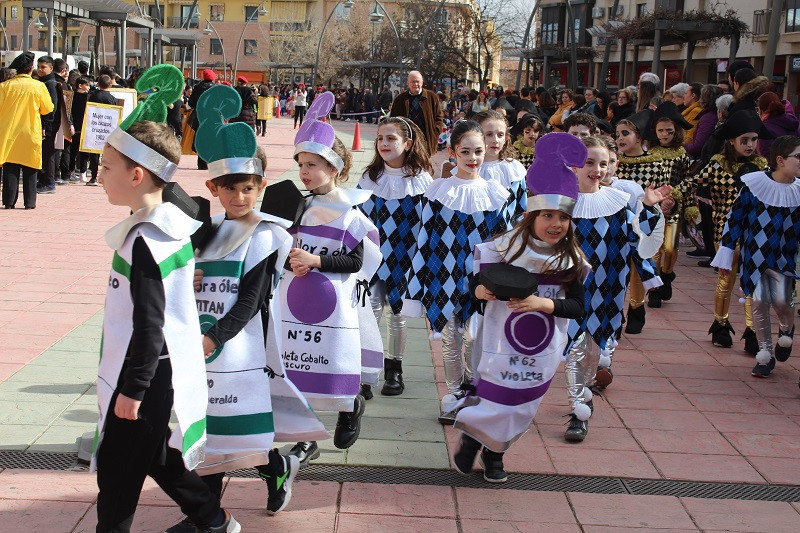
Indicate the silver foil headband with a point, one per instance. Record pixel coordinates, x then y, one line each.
325 152
235 165
551 201
142 154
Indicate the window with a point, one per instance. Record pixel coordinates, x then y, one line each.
14 12
189 13
250 47
641 10
582 20
552 27
152 13
250 13
75 42
30 41
217 12
90 42
216 47
13 42
792 15
670 5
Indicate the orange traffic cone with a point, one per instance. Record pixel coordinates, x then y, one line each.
357 138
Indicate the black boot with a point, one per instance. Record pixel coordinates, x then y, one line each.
393 378
464 458
493 470
366 391
654 298
721 334
349 425
666 289
750 341
783 351
635 321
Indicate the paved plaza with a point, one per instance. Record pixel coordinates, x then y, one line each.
679 408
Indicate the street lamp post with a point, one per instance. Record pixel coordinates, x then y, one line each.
257 11
525 43
347 4
209 28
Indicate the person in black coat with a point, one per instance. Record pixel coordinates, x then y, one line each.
249 101
197 91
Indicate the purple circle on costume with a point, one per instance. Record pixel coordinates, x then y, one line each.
529 333
311 298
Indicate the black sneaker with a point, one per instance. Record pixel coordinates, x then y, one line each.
305 452
654 299
577 429
366 391
92 182
782 353
706 263
46 190
184 526
349 425
393 378
464 458
230 525
762 371
697 254
279 482
750 341
665 290
721 334
493 470
635 321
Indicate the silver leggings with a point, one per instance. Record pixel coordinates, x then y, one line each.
581 367
396 323
457 364
773 289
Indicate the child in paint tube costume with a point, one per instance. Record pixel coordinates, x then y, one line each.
524 339
765 218
331 341
458 213
251 404
397 177
152 356
611 236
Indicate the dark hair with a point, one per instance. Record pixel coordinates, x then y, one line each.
82 81
567 251
415 160
743 75
569 93
461 128
229 180
709 95
678 138
580 119
507 151
342 151
631 125
697 89
782 147
732 157
647 90
83 67
59 65
532 122
158 137
525 92
770 104
104 81
546 100
45 59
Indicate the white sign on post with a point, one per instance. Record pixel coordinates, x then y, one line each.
127 98
98 123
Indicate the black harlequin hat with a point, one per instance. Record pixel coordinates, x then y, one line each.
197 207
284 200
642 120
670 110
508 281
604 126
741 122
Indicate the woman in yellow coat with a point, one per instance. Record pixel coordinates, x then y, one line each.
22 102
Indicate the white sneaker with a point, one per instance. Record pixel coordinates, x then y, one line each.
84 177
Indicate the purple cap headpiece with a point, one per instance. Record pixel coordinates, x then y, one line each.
551 180
316 136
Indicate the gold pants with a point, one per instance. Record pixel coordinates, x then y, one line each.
667 255
722 296
636 288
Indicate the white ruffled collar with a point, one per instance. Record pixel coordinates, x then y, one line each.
166 216
503 171
602 203
468 196
394 184
772 193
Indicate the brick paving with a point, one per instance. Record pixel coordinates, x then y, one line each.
679 408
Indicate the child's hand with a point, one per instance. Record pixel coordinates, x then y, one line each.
298 257
300 270
482 293
127 408
198 280
654 196
531 304
208 346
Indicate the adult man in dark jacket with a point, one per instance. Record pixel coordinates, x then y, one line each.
422 107
197 91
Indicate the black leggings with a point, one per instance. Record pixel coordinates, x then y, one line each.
299 111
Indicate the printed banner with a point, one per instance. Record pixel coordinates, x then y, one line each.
98 123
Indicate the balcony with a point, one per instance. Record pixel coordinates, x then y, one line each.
761 22
178 22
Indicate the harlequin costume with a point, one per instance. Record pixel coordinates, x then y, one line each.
676 165
395 207
525 154
724 181
765 218
510 173
251 403
646 170
521 351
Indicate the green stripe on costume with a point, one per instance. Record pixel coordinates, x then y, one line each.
228 269
177 260
119 265
193 434
253 424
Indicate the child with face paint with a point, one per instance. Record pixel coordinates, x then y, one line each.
602 216
668 138
499 164
397 177
766 218
525 335
458 213
646 169
722 175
